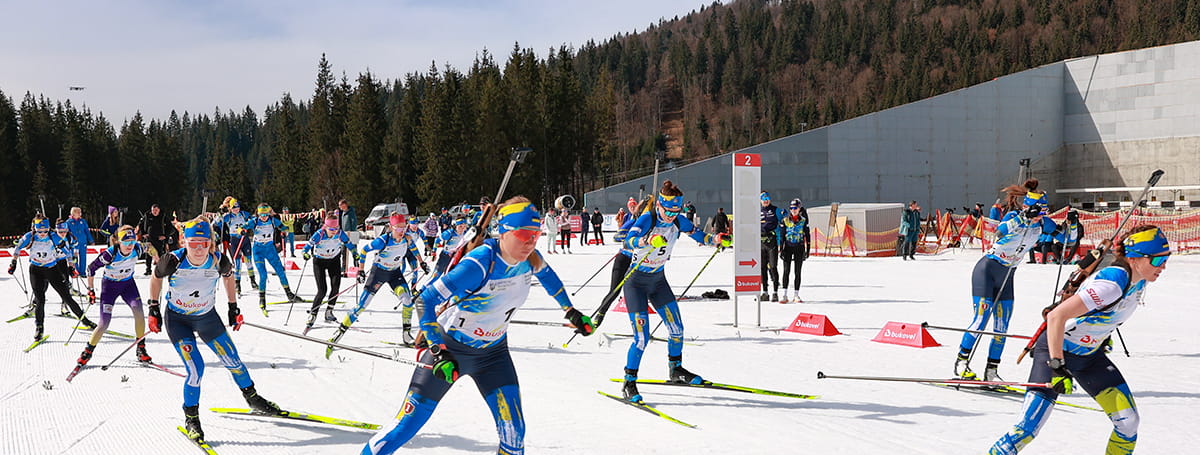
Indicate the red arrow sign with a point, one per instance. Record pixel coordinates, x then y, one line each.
750 263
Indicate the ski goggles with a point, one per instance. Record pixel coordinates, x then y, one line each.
671 212
1159 261
197 242
526 234
41 231
129 241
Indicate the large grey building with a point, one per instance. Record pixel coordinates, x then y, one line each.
1103 121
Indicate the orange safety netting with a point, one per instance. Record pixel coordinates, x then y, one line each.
947 230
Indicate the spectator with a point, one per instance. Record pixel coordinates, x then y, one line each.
348 219
689 211
597 222
82 232
585 221
564 230
112 222
910 229
720 222
550 225
153 229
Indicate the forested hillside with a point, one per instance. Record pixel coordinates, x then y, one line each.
718 79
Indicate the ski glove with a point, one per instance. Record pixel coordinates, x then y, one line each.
155 322
425 267
724 240
12 266
1062 382
307 255
91 297
361 277
583 324
444 366
235 316
658 241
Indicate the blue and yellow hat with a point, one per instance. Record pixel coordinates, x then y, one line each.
765 196
459 222
234 203
264 209
197 229
1032 199
521 215
670 202
1150 242
124 235
40 223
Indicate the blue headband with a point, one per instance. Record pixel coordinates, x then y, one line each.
670 202
41 223
522 215
197 229
1146 243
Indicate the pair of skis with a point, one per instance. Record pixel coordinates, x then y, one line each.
289 415
705 385
79 367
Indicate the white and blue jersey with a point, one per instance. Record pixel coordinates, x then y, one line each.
392 252
117 266
43 251
648 225
231 224
323 246
1084 335
489 291
263 231
449 241
193 288
1015 235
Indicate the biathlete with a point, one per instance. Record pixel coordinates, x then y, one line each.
263 229
193 273
394 249
470 338
118 261
992 279
654 235
327 244
1071 350
230 228
47 251
449 241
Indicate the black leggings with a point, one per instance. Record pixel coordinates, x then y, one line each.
770 264
327 269
565 237
792 254
42 277
619 269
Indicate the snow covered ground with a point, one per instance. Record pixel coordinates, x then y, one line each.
128 409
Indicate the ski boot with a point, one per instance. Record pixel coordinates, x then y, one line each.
191 423
962 369
992 371
629 389
86 355
62 311
406 335
329 317
142 355
259 404
88 323
253 282
291 296
37 333
341 331
676 373
238 285
262 301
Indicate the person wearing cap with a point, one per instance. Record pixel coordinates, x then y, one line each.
83 237
470 337
652 237
449 241
46 251
192 274
994 274
1071 349
327 244
288 221
797 241
229 226
771 235
118 261
393 249
262 232
910 230
153 228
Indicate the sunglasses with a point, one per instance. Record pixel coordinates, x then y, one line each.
669 212
197 243
41 231
1158 261
526 235
129 242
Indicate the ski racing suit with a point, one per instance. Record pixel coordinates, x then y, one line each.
117 282
233 224
387 269
264 251
327 263
46 256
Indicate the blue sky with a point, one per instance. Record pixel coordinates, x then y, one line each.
155 56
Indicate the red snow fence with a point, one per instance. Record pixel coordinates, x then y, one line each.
620 307
812 324
905 334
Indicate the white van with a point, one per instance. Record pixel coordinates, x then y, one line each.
376 221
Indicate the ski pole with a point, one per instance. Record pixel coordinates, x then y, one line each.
589 280
822 375
298 283
689 286
342 346
79 320
127 348
598 315
978 332
542 323
1119 337
1154 177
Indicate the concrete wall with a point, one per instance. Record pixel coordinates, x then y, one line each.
1097 121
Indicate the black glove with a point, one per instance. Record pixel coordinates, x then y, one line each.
361 277
1062 382
425 267
155 322
12 266
583 324
235 316
444 365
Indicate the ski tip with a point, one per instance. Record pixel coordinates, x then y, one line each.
820 375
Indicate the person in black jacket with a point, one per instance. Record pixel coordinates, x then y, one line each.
597 221
154 229
585 222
